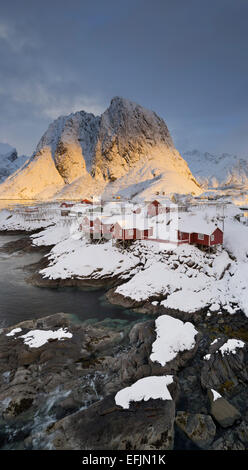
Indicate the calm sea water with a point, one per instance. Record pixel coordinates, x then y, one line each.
21 301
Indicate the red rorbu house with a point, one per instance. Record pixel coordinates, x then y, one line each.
113 228
199 232
156 207
128 230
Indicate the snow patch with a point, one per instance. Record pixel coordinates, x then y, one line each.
230 346
145 389
14 332
37 338
216 395
173 336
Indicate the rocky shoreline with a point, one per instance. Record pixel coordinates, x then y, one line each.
80 376
61 394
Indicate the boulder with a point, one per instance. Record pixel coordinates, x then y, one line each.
222 411
137 363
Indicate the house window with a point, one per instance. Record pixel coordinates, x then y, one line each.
130 233
212 238
200 236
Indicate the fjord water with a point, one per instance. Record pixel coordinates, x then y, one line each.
20 301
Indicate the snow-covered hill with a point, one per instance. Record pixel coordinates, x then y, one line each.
9 161
127 149
218 170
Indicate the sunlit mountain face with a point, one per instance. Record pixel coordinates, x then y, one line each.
126 150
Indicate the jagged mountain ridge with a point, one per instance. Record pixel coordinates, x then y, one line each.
81 154
218 171
9 161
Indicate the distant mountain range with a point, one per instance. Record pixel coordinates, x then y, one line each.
9 161
218 171
127 150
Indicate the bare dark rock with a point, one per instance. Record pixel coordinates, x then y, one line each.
224 372
198 427
144 426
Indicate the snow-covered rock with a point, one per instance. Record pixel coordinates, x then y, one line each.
231 346
72 258
173 336
145 389
126 150
37 338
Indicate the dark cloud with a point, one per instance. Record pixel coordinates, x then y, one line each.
187 60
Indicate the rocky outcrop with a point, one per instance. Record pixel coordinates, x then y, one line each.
60 377
224 372
144 426
197 427
69 373
137 364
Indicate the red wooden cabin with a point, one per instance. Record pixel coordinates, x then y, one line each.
209 236
122 232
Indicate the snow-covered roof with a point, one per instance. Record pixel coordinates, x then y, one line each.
133 222
111 219
190 223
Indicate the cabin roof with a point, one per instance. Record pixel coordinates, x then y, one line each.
193 223
132 222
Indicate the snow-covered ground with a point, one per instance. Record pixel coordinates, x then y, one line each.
18 218
78 258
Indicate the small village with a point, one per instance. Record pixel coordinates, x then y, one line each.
158 220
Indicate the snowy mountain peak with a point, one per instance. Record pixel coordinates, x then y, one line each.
9 161
224 170
127 149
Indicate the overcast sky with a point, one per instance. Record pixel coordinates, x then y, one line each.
185 59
